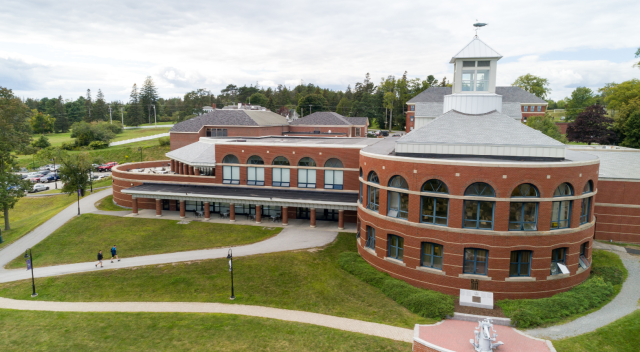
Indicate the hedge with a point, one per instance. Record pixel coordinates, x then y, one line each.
426 303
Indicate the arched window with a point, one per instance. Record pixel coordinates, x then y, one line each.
373 193
523 216
333 179
398 202
255 175
561 210
230 174
280 176
307 177
435 210
479 214
255 160
436 186
585 211
360 186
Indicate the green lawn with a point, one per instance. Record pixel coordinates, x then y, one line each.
56 139
306 280
161 123
107 204
63 331
621 336
80 239
31 212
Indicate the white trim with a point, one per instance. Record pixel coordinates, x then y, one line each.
617 206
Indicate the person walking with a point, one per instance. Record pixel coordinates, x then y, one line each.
114 253
99 259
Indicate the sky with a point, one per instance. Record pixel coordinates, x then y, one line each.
52 48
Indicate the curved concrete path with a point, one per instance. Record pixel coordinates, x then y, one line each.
363 327
626 302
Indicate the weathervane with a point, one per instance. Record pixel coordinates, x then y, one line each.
478 25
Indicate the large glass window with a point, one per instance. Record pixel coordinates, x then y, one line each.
280 176
475 261
520 263
371 238
230 174
255 176
396 247
373 194
585 211
398 202
333 179
557 257
207 171
475 79
435 210
561 211
523 216
431 255
479 214
307 177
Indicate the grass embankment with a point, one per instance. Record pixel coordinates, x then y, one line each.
54 331
56 139
304 280
622 335
31 212
107 204
80 239
607 276
426 303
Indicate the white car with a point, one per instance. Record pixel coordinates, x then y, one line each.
38 187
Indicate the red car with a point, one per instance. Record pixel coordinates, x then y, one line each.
107 166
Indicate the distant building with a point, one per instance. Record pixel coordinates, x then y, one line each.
208 109
242 106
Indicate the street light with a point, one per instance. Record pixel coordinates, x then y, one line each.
230 257
28 256
78 199
54 167
140 150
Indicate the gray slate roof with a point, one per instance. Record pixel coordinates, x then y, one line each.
617 164
492 128
329 119
197 153
431 109
509 95
230 118
512 110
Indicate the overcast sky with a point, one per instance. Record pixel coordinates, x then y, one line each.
51 48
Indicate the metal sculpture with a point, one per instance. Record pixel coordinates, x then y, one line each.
484 340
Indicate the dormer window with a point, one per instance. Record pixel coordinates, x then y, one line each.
475 76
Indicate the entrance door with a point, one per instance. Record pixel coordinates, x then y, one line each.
165 204
303 213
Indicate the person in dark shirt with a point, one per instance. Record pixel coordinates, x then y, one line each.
114 254
99 259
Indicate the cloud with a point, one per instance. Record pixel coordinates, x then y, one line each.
193 44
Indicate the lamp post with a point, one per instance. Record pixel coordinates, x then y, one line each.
140 150
155 117
1 240
28 256
78 199
230 257
54 167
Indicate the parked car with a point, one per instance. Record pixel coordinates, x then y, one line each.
384 133
35 178
97 177
107 166
49 178
39 187
45 172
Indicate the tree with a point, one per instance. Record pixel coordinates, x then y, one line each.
284 111
100 111
149 98
62 122
88 105
41 122
546 125
344 106
258 99
592 126
312 103
581 97
134 111
74 171
616 95
620 119
535 85
15 134
637 64
389 99
41 142
632 127
85 133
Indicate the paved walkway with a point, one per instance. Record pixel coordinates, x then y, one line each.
626 302
374 329
139 139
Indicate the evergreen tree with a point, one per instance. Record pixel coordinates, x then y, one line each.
88 106
632 128
100 111
149 99
134 116
62 122
258 99
344 106
591 126
312 103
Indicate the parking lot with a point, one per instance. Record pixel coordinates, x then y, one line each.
49 178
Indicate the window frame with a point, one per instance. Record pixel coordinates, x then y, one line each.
477 220
280 183
373 198
400 210
370 241
585 211
554 259
431 255
435 204
306 173
232 170
333 185
522 222
256 181
519 263
399 247
475 261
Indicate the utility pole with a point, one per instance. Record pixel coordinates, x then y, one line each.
110 119
309 109
155 117
149 114
122 115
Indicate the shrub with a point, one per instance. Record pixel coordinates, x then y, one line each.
426 303
68 145
98 145
164 141
609 274
41 142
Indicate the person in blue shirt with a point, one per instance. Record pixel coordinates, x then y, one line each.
114 254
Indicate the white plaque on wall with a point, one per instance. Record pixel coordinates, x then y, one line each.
478 299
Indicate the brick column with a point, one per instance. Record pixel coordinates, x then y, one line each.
178 169
196 171
285 216
312 215
182 209
185 169
158 207
258 214
134 206
340 219
191 172
232 212
207 211
173 165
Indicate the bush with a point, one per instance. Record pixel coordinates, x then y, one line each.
609 274
41 142
426 303
98 145
68 145
164 141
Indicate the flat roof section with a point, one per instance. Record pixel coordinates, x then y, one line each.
248 195
295 141
617 164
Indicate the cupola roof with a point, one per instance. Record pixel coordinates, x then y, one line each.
476 49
